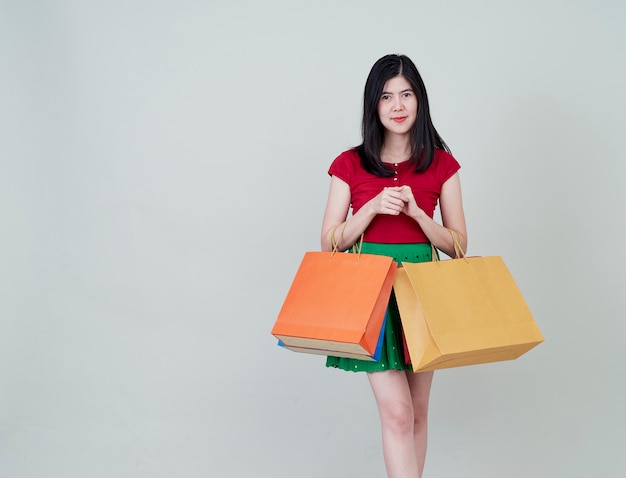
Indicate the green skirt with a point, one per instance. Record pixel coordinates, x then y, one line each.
392 355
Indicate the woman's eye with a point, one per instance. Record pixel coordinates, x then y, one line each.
407 94
384 97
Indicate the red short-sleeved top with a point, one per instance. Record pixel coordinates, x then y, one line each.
364 186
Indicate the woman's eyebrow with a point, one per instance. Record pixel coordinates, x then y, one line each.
390 93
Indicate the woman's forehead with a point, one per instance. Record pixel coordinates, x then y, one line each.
397 84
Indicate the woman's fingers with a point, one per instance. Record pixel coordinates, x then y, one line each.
391 201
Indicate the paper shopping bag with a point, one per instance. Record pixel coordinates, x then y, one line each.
336 304
334 353
462 312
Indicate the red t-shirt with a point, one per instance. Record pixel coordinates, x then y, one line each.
364 186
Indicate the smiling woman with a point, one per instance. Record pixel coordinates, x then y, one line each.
397 108
393 181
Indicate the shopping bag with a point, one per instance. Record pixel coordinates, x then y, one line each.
367 358
336 304
463 311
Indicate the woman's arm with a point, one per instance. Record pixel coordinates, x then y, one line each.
388 201
452 216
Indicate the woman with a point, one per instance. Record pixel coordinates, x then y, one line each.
393 181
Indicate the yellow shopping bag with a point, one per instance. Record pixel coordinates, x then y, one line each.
463 311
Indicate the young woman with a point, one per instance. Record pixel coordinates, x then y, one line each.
393 181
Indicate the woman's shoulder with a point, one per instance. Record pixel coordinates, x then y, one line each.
443 158
347 159
349 156
444 164
443 155
345 164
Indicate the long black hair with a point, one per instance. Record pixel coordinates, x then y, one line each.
424 136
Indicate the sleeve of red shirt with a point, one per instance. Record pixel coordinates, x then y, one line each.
445 165
344 164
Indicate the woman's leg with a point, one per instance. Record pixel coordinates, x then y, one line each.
419 384
395 406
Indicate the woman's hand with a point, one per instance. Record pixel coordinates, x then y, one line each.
389 201
452 216
410 207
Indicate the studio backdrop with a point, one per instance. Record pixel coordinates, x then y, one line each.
163 170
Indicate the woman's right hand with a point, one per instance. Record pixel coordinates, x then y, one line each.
389 201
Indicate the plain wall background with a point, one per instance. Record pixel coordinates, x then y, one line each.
163 170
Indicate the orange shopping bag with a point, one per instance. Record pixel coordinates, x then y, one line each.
336 304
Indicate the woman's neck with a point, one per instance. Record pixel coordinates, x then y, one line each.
396 149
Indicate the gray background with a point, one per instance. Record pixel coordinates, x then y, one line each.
163 170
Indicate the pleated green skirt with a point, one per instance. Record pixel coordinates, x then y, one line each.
392 355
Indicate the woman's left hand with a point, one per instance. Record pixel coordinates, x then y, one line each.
410 208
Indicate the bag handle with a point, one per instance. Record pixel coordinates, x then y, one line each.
356 247
456 240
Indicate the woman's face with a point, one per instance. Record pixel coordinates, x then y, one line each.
397 106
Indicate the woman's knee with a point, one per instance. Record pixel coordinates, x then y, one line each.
398 417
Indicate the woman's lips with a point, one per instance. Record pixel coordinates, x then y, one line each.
399 119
